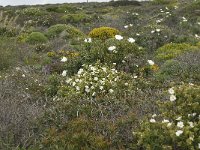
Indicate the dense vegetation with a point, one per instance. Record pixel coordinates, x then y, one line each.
100 76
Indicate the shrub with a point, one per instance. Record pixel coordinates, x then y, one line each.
36 37
72 65
8 55
68 31
98 50
183 68
32 11
93 80
66 8
162 2
154 36
172 50
103 33
76 18
176 126
123 3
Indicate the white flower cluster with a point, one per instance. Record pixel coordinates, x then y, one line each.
119 37
88 40
127 26
172 96
94 79
151 62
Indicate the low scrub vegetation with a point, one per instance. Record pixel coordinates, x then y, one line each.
100 76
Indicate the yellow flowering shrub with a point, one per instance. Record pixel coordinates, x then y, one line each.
103 33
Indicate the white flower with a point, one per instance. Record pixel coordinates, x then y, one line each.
111 90
77 88
180 124
18 68
74 83
23 75
172 98
154 115
80 71
131 40
158 30
104 69
191 124
194 114
87 90
101 87
171 91
130 25
95 78
169 124
69 80
93 94
191 138
126 26
165 121
64 73
150 62
135 77
126 84
118 37
179 132
77 80
152 120
64 59
137 34
111 48
152 31
179 118
88 40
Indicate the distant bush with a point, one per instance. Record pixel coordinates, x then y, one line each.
103 33
123 3
36 37
67 31
66 8
172 50
76 18
163 2
31 11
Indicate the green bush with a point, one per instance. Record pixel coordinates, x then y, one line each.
183 68
103 33
176 125
163 2
66 8
67 31
172 50
32 11
154 36
36 37
98 50
76 18
8 55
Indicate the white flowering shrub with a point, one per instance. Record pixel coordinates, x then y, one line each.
113 50
177 125
94 80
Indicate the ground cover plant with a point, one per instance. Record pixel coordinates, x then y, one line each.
100 76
